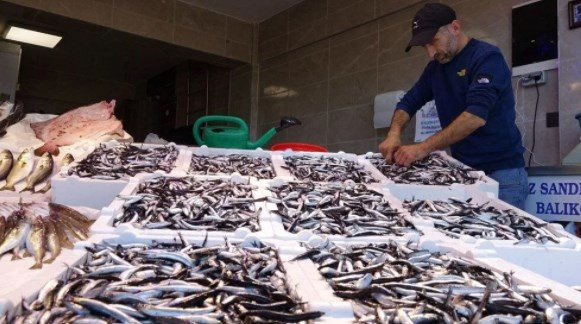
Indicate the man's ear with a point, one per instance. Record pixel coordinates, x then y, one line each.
455 27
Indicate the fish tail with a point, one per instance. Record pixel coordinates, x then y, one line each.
37 265
15 256
28 188
8 187
50 260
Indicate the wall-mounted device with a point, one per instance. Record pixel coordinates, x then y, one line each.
534 37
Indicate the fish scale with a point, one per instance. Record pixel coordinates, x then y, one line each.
124 161
421 286
248 285
431 170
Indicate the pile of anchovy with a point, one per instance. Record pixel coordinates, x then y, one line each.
327 169
348 209
170 283
125 161
190 204
259 167
394 283
431 170
456 217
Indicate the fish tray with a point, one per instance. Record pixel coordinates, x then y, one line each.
104 225
561 293
211 152
18 280
336 311
280 164
281 233
97 193
484 182
426 225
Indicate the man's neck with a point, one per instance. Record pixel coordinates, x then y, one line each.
462 42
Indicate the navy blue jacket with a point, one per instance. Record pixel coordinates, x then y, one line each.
478 81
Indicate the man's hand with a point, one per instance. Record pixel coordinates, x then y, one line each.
408 154
389 146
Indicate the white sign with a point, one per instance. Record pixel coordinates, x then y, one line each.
427 122
555 198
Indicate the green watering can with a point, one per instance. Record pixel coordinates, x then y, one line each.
235 136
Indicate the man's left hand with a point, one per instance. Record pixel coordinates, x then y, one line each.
408 154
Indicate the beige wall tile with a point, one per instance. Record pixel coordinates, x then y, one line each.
337 5
570 86
194 39
384 7
239 31
158 9
356 13
392 43
240 109
272 47
274 26
273 108
309 100
200 20
312 130
240 86
358 32
242 52
400 75
37 4
143 26
351 124
89 11
353 56
274 80
309 69
355 89
546 151
306 12
307 33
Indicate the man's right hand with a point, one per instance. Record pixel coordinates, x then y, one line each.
389 146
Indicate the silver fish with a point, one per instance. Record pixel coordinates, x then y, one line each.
6 161
327 169
21 169
43 170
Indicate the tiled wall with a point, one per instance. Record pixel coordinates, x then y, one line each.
171 21
570 81
325 60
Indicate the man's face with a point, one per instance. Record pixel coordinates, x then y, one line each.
443 47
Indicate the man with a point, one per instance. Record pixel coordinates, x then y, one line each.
471 84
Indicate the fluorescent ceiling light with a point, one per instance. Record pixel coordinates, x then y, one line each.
32 37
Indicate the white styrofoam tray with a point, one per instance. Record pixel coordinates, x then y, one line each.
97 193
566 240
485 183
209 152
281 233
104 225
336 311
278 160
563 294
18 280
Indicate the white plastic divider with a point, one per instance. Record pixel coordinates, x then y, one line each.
566 240
305 235
278 159
484 183
19 281
560 289
104 225
97 193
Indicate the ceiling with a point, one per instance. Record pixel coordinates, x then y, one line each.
96 51
247 10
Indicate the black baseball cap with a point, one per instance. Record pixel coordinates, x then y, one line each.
427 21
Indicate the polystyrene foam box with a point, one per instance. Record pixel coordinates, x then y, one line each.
96 193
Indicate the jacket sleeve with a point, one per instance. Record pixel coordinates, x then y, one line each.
491 78
419 94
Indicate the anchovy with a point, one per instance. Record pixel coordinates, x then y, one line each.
124 161
259 167
347 209
217 287
327 169
431 170
456 217
407 285
190 204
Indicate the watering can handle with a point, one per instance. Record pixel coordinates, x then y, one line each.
227 119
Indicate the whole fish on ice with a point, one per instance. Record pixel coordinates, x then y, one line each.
20 170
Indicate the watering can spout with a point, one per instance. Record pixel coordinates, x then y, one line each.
285 123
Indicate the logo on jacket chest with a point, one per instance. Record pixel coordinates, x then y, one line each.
461 73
